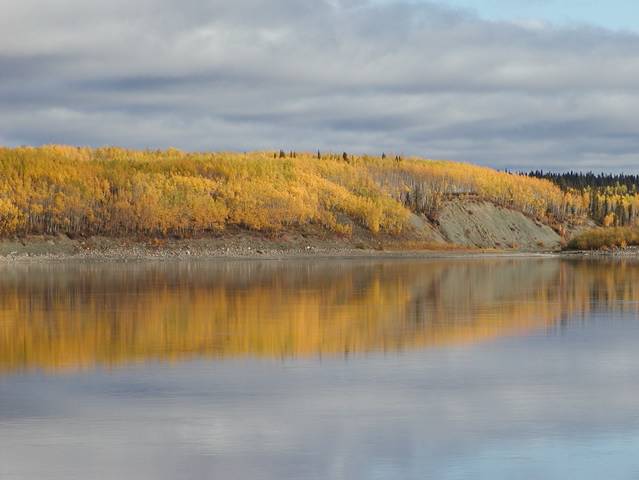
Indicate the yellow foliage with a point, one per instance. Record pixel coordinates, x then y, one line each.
9 217
609 220
604 238
117 192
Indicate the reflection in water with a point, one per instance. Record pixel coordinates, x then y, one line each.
556 399
73 315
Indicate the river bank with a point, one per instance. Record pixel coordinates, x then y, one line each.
61 248
245 245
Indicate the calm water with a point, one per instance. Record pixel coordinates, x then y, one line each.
451 369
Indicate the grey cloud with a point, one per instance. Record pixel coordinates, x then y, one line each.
355 75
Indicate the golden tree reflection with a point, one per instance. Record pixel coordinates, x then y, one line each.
80 315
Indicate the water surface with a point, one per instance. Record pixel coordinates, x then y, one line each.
359 369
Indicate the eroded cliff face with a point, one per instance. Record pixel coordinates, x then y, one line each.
480 224
485 225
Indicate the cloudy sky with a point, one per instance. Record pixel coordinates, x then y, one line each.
506 83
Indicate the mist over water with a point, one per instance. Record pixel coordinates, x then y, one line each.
480 368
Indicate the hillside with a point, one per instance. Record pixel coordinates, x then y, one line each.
113 193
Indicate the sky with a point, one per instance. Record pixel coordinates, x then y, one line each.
611 14
511 84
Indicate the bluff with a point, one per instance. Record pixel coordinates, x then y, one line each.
62 193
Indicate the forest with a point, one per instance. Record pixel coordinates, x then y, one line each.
611 199
117 192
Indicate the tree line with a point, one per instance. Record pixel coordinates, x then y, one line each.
611 199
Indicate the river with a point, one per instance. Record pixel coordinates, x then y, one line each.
320 369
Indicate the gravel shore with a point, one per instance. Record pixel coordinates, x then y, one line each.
61 248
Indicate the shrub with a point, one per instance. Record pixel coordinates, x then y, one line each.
605 238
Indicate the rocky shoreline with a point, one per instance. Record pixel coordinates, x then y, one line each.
62 248
247 246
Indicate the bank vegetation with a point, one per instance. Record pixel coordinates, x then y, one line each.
118 192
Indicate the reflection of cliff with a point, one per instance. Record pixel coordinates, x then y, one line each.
79 315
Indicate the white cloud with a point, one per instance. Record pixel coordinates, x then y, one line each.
353 75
